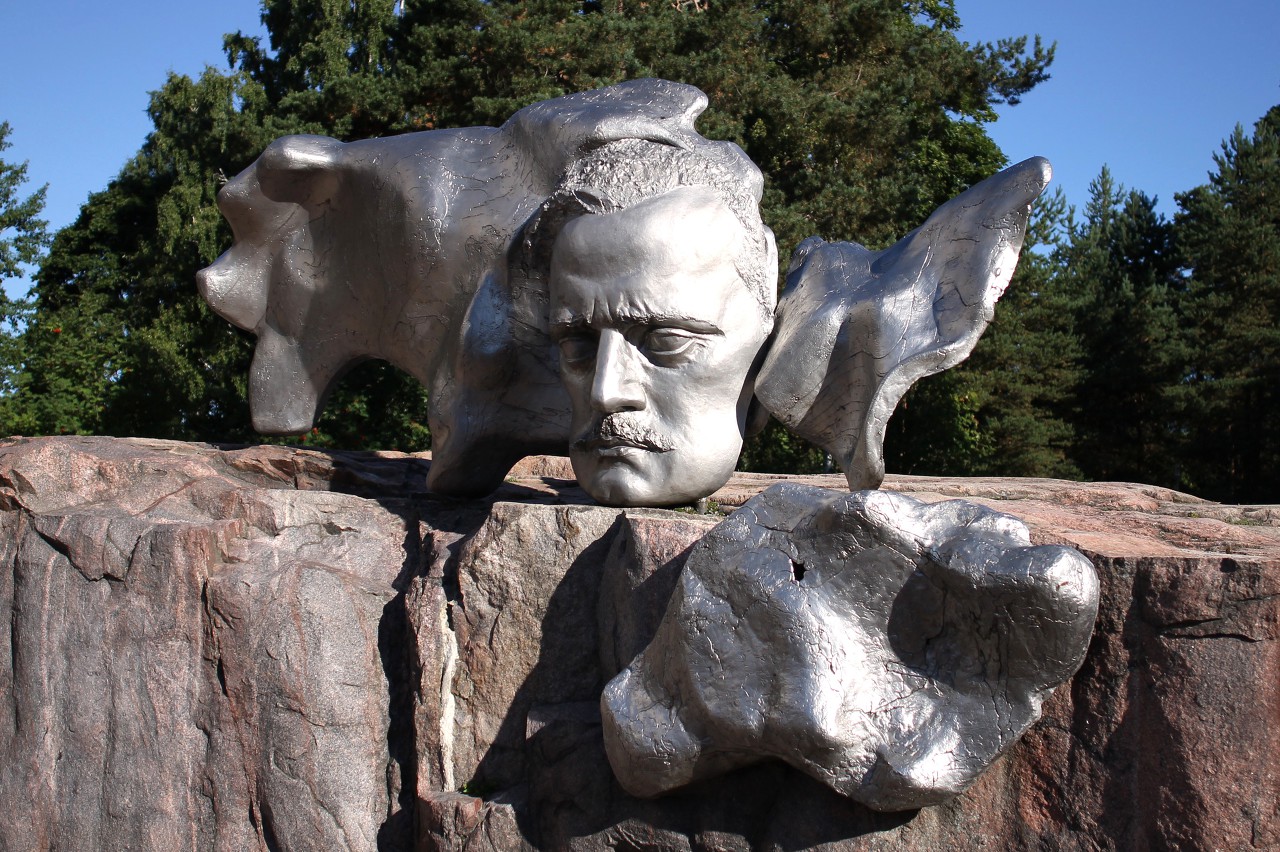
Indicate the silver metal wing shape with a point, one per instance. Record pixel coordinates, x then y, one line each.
855 328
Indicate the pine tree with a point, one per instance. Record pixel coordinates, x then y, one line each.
1026 371
23 238
136 351
22 231
864 115
1009 409
1229 233
1124 271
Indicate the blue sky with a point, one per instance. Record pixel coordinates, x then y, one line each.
1150 88
1146 87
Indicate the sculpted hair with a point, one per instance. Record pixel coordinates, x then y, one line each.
620 174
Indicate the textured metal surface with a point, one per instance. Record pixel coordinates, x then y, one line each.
857 328
593 277
401 249
434 251
658 338
889 648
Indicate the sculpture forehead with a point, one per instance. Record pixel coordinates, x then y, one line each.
673 248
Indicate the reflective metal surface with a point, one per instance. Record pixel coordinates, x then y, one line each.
658 335
593 277
889 648
405 249
856 328
435 251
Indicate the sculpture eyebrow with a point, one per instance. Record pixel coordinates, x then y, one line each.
578 321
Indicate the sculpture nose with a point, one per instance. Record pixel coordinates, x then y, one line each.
619 379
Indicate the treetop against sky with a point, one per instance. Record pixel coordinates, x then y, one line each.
1149 87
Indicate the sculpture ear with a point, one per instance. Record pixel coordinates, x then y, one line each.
855 329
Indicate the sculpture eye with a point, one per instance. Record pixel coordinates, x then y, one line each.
577 349
664 343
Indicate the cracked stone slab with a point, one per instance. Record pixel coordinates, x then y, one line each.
193 652
522 627
116 732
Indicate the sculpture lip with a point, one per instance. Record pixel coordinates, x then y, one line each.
604 444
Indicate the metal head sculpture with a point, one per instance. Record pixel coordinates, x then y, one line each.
605 221
661 283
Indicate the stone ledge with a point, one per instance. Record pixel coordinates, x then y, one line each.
277 648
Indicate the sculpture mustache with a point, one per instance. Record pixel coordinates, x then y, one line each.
617 429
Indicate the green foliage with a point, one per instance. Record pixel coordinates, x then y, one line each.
23 237
1027 370
1127 346
1229 233
864 114
1078 375
14 316
72 355
1122 267
22 231
775 450
936 429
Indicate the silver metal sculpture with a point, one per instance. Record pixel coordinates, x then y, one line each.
889 648
443 253
856 328
432 250
593 277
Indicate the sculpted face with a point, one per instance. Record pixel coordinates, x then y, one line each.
658 338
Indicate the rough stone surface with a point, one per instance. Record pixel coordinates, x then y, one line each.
274 648
527 566
195 651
